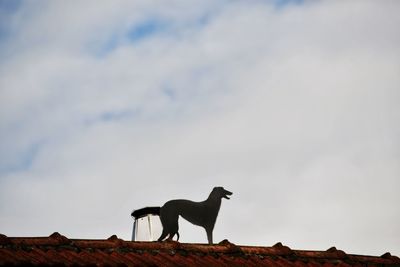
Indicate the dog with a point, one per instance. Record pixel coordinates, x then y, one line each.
203 213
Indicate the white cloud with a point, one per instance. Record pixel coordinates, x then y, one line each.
294 109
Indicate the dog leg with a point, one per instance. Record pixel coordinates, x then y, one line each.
163 235
171 236
172 229
209 235
169 220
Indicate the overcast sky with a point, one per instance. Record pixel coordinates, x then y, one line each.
109 106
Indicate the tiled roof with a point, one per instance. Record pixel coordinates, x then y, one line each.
57 250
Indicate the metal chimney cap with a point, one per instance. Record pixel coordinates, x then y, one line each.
145 211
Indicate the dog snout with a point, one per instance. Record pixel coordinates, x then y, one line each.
227 193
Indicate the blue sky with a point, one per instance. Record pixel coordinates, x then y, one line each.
292 105
6 7
146 29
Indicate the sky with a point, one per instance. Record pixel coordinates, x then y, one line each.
111 106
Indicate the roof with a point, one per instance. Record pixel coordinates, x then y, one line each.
61 251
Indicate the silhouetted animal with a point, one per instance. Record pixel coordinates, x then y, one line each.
199 213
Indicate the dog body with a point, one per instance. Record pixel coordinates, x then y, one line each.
203 213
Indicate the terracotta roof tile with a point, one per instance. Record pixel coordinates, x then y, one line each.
58 250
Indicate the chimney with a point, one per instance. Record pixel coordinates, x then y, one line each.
146 224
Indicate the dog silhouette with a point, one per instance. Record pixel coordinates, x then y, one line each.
203 213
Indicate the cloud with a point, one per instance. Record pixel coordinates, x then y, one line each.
293 107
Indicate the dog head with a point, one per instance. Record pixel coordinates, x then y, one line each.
220 192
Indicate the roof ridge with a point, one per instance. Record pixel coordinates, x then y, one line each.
59 243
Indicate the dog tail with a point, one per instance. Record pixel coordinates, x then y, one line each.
146 211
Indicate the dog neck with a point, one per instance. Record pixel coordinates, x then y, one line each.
214 199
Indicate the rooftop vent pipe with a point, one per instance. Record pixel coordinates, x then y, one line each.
146 224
